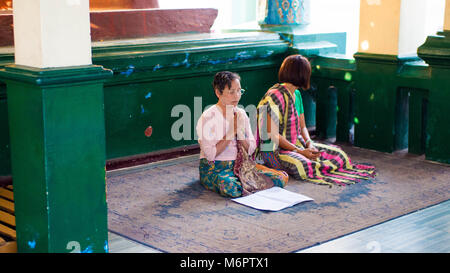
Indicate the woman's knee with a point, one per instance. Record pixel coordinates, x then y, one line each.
280 180
230 187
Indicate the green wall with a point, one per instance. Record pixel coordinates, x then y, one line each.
150 80
152 76
333 80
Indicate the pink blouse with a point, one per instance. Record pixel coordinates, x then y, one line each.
212 127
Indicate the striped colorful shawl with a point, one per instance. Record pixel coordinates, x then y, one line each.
279 104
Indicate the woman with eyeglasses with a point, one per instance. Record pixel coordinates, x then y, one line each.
220 129
284 142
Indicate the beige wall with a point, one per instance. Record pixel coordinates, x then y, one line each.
447 15
379 26
49 33
399 27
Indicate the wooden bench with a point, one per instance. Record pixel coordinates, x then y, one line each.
8 240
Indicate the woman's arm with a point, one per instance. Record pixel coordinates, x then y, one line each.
245 144
239 131
284 143
305 133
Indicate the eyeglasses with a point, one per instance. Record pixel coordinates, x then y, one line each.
239 92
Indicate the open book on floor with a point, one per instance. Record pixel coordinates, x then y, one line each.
273 199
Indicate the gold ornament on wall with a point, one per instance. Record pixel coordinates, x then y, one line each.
285 5
295 4
280 14
290 16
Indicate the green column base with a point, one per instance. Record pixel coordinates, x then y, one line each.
57 134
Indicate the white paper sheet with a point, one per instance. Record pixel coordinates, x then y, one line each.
273 199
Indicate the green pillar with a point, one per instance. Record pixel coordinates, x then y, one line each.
57 133
326 115
401 118
418 114
436 52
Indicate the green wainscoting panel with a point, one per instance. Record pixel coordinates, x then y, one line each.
418 117
414 81
163 105
375 101
309 98
333 76
326 109
56 125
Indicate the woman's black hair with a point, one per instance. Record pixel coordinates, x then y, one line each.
224 78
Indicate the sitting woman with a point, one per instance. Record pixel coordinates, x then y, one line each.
283 139
223 129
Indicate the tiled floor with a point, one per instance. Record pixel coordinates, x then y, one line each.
426 230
